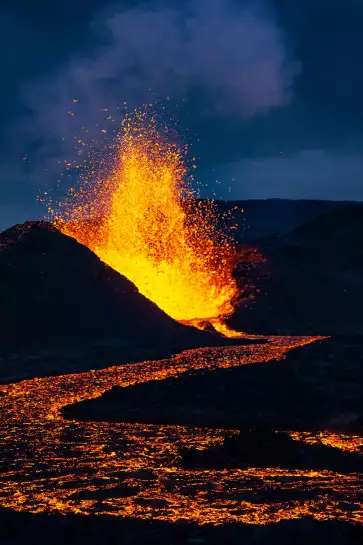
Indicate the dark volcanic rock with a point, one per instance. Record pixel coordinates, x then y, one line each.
316 386
271 217
53 289
41 529
268 448
122 491
312 282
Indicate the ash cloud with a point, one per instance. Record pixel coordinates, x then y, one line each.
234 53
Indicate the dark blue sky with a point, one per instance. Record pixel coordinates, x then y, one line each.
272 89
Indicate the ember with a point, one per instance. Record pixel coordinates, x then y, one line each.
147 224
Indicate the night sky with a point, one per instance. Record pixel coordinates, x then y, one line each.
268 92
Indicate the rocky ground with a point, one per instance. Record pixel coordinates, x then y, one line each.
318 386
266 448
63 310
61 317
20 528
61 359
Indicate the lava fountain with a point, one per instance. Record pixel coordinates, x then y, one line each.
142 217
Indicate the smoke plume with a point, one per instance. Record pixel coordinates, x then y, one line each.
234 56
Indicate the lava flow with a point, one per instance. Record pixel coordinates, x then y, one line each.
50 464
141 216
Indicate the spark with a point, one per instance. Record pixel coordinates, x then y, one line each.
141 216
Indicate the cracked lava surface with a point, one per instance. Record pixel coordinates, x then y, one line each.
49 464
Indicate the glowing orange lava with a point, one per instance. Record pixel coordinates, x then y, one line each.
53 465
147 224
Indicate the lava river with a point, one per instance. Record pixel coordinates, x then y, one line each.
50 464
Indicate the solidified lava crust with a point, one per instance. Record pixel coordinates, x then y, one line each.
133 470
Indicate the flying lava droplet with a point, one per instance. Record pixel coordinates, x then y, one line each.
140 214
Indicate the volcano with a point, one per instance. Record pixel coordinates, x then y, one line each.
55 290
136 208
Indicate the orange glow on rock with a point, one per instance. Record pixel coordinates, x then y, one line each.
53 465
143 219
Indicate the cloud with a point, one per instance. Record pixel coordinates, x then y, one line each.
234 54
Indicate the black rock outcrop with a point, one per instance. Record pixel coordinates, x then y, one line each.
53 289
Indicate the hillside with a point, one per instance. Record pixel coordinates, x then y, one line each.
272 217
54 290
312 281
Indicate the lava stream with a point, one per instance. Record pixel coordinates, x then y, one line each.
50 464
142 218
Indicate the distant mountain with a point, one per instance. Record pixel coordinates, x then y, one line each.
273 217
341 226
53 289
259 218
313 279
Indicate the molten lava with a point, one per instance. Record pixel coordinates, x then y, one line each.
143 219
52 465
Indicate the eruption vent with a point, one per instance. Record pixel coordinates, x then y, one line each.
142 217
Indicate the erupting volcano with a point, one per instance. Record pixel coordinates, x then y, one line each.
141 216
